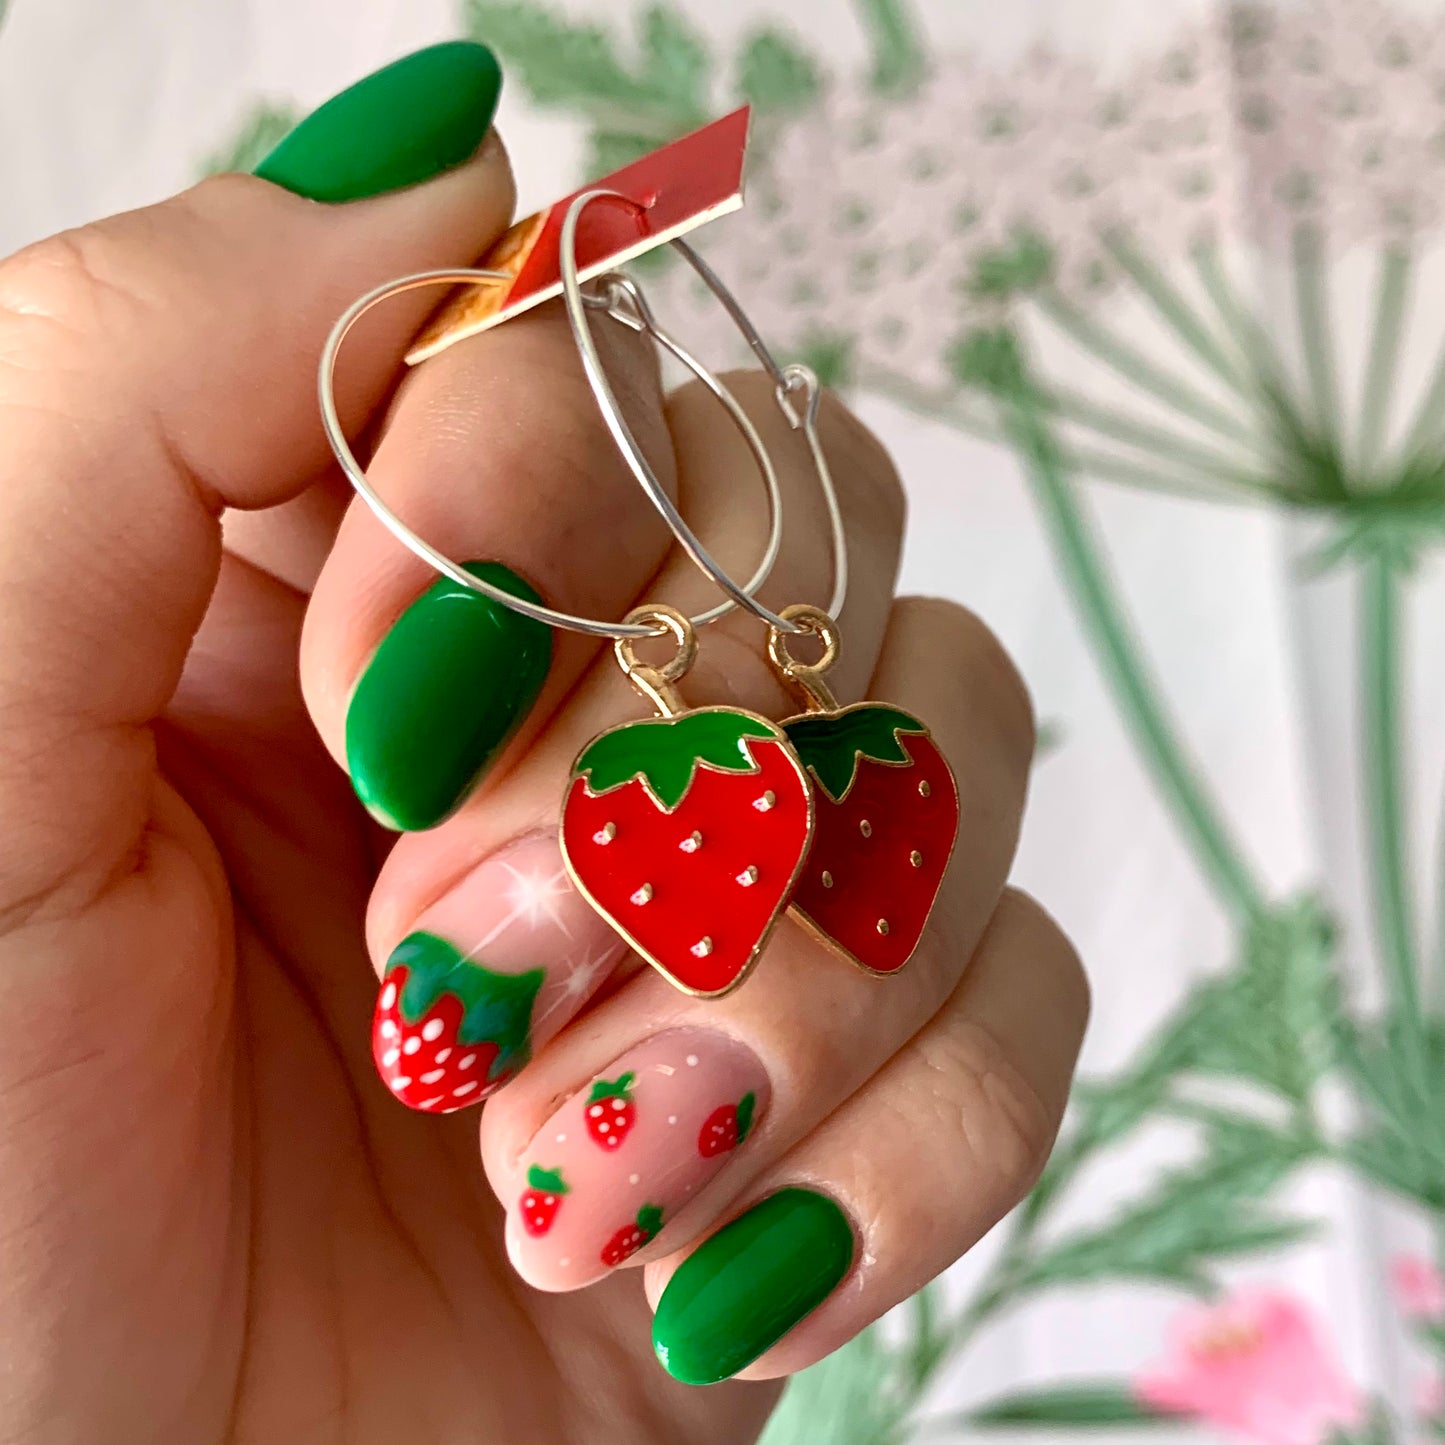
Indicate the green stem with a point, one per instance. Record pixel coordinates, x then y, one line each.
1390 294
1118 653
1426 423
1137 368
900 57
1177 313
1388 854
1316 339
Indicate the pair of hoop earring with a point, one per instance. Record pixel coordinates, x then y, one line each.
692 831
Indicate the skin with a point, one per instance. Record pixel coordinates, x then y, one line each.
214 1223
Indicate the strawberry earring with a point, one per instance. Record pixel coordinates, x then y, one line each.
687 831
887 811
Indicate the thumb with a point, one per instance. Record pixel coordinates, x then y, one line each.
159 366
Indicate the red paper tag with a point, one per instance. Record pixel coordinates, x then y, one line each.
679 187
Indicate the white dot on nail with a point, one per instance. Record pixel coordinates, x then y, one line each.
432 1030
464 1088
561 1138
466 1061
432 1077
389 1029
692 1061
633 1178
400 1082
412 1045
388 995
565 1261
443 1055
672 1118
390 1057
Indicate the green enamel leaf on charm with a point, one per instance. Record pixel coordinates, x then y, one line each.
665 752
830 744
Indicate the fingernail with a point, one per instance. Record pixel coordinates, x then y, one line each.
402 124
743 1289
494 968
615 1163
448 686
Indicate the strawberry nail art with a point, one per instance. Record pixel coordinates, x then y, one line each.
539 1206
726 1127
628 1152
610 1111
494 968
447 1031
631 1237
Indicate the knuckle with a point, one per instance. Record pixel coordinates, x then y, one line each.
1004 1128
1062 972
55 294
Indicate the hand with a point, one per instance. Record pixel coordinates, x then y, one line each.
216 1223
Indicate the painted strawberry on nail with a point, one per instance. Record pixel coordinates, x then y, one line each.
726 1127
539 1205
887 821
687 833
610 1111
631 1237
448 1032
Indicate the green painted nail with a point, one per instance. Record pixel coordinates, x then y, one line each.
402 124
442 695
742 1290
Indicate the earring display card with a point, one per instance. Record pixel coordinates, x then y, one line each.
680 187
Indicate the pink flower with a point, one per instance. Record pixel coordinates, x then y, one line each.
1256 1365
1419 1287
1430 1397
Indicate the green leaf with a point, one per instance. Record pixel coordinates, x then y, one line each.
676 61
775 74
580 67
649 1220
1192 1217
665 752
253 140
546 1181
1083 1403
831 744
746 1106
899 54
850 1398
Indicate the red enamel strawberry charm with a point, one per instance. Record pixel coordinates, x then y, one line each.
539 1206
726 1127
447 1032
687 834
887 811
610 1111
631 1237
887 819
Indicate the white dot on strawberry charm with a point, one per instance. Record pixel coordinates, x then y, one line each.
883 926
412 1045
643 895
605 834
924 789
865 828
701 948
692 842
748 876
827 879
388 996
767 800
916 858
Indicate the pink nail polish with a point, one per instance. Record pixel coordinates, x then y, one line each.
493 969
611 1167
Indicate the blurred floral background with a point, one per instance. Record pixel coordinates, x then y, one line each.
1148 296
